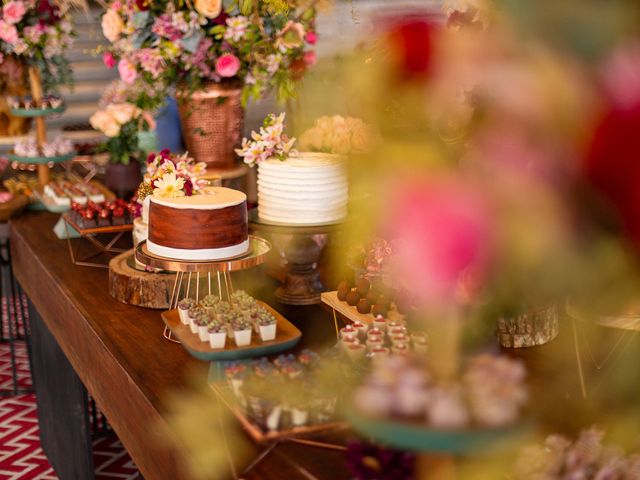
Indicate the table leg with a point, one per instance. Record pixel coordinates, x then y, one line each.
65 430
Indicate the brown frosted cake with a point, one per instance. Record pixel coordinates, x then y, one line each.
209 226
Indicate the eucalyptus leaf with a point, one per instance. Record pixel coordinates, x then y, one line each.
191 42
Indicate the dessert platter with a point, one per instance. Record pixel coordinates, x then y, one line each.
27 107
61 193
219 330
30 151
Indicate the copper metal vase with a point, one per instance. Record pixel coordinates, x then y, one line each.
212 123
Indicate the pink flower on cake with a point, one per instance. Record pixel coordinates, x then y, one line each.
13 12
108 59
127 71
112 25
169 186
8 33
227 65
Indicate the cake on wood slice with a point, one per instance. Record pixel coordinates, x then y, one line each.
205 227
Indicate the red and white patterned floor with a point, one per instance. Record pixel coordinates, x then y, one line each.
21 456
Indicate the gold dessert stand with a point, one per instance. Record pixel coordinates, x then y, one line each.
193 270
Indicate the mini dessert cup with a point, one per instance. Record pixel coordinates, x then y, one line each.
374 343
375 333
183 309
348 331
346 341
400 349
362 329
268 332
421 346
400 338
380 323
397 331
242 333
394 323
356 351
217 339
379 352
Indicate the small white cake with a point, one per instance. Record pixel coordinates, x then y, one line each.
308 189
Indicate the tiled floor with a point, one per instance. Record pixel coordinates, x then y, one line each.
21 456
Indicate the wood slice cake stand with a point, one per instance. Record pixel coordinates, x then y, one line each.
132 286
302 284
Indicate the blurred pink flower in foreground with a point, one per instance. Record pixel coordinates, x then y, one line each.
621 76
444 230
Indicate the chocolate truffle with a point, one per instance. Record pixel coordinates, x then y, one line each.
364 306
353 298
343 291
362 287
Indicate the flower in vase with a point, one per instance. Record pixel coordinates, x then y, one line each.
227 65
311 38
13 12
291 36
236 28
112 25
8 33
123 112
127 71
169 186
109 60
103 121
209 8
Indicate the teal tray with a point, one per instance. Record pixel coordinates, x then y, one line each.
40 160
287 337
419 438
37 112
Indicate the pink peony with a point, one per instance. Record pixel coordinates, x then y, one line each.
13 12
127 71
443 231
108 59
227 65
8 33
311 38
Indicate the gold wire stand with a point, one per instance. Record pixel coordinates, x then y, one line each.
258 250
91 235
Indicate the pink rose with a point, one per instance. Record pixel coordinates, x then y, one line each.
108 59
227 65
127 71
8 33
13 12
310 58
311 38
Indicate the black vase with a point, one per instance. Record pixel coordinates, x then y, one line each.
123 180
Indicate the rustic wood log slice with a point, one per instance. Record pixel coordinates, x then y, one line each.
135 287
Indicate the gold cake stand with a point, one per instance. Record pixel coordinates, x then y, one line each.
256 255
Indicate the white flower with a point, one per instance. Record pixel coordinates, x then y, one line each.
236 28
169 186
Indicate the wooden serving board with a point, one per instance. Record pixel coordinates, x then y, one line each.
287 336
351 313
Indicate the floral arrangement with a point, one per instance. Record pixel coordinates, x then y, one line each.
261 44
37 32
172 176
122 122
585 458
340 135
56 148
269 142
490 393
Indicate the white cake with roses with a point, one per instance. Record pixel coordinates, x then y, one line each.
306 187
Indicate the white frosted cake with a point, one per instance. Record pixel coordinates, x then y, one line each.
308 189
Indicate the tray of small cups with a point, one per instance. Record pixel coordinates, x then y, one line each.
216 330
25 107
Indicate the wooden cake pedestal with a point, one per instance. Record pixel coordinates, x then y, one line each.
301 284
132 286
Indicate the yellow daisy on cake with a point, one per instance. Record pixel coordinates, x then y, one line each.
169 186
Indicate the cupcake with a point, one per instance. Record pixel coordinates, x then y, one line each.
267 324
217 334
242 332
183 309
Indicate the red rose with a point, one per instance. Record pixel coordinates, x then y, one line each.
612 165
412 43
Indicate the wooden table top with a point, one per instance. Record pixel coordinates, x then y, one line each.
128 367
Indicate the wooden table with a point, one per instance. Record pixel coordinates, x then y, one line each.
84 338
